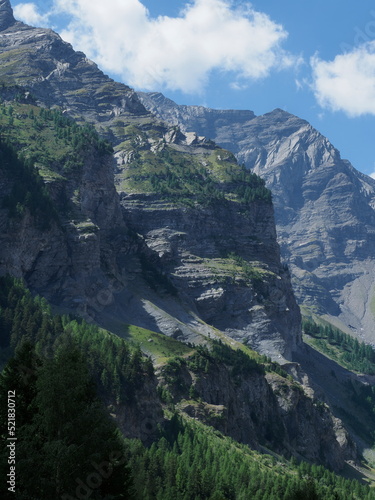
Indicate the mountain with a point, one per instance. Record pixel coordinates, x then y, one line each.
324 207
136 228
191 215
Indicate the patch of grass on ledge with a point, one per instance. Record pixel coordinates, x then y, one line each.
158 346
341 347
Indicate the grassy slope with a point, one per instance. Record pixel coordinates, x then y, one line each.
35 137
54 142
150 164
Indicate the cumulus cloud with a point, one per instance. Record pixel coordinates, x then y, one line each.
28 12
178 53
348 82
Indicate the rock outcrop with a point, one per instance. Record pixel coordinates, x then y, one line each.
324 207
262 410
6 15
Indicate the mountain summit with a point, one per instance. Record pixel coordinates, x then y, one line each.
6 15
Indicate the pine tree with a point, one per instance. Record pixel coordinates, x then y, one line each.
67 436
18 377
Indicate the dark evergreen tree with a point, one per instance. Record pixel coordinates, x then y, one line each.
63 431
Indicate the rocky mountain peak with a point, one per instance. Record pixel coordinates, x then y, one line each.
6 15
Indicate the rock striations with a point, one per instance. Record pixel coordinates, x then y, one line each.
324 208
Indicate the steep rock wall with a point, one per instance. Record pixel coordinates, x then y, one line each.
70 261
194 246
264 411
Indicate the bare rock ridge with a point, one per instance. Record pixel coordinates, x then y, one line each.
212 123
59 74
324 207
6 15
158 238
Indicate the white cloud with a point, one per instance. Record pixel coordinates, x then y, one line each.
372 175
237 85
348 82
299 84
28 12
178 53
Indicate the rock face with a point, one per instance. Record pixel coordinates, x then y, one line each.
323 206
264 410
6 15
40 60
124 259
66 262
193 245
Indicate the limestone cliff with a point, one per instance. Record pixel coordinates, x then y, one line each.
204 250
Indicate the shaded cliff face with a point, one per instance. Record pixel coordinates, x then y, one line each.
323 206
260 409
70 257
6 15
151 157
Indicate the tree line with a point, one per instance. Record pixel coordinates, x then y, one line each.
28 191
354 354
193 462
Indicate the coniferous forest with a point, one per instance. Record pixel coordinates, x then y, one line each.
73 443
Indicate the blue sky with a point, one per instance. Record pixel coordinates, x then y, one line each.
313 59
